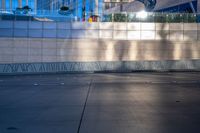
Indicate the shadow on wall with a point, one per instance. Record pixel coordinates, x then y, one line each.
105 48
124 50
165 49
122 53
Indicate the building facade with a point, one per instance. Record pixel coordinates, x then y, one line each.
13 4
34 4
83 9
180 6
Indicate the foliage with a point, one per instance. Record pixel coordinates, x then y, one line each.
64 8
107 18
152 17
26 8
119 17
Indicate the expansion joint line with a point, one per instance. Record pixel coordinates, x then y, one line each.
82 114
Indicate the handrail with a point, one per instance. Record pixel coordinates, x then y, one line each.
44 15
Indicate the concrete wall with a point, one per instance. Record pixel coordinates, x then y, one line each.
31 47
23 50
27 55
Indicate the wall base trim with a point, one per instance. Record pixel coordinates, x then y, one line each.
111 66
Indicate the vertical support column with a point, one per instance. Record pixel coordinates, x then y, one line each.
26 2
52 5
198 10
74 5
20 3
198 6
121 6
11 5
96 10
100 8
198 15
35 6
79 9
87 9
3 4
63 2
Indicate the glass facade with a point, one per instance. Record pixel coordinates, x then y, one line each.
43 4
34 4
13 4
83 9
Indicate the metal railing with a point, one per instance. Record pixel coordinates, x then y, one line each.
155 17
39 15
152 17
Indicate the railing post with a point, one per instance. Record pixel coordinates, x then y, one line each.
112 17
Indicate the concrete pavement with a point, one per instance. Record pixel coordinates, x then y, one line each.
101 103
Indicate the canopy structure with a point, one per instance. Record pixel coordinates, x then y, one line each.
129 5
149 4
179 6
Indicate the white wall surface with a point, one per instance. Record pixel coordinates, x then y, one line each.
28 50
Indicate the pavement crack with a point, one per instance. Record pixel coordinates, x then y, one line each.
82 114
